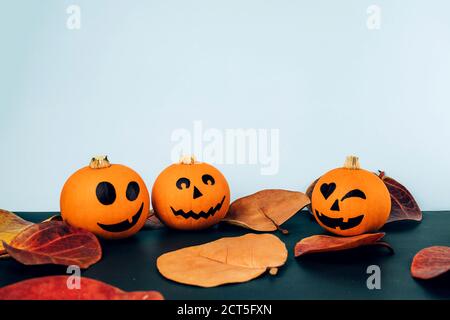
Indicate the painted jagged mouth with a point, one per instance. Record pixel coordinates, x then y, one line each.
197 215
123 225
339 222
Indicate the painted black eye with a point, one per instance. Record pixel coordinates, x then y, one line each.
327 189
132 190
207 179
356 193
106 193
183 183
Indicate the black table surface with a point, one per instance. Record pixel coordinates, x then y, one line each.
130 264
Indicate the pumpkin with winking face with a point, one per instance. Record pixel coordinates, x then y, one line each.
190 195
350 201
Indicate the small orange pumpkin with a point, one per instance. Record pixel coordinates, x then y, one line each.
110 200
350 201
190 195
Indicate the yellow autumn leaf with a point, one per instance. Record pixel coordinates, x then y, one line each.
10 226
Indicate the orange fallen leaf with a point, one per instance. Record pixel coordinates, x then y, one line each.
431 262
62 288
227 260
55 242
10 226
325 243
266 210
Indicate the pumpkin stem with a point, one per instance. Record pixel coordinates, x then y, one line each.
187 159
99 162
352 162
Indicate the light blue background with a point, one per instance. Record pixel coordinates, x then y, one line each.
137 70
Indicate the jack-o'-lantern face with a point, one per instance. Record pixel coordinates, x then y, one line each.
350 201
190 195
111 201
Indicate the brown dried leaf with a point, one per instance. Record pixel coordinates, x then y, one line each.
266 210
153 221
57 288
431 262
324 243
227 260
403 205
309 192
57 243
10 226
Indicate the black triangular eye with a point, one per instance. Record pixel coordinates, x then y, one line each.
132 190
106 193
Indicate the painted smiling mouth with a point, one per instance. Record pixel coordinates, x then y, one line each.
339 222
201 214
123 225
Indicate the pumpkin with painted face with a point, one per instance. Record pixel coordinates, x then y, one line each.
350 201
110 200
190 195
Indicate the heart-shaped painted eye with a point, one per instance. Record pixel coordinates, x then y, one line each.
106 193
327 189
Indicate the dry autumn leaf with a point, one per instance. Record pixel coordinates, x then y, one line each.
266 210
56 217
58 288
10 226
309 192
227 260
431 262
403 205
55 242
324 243
153 221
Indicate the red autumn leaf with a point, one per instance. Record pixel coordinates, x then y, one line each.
431 262
403 207
64 288
55 242
325 243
